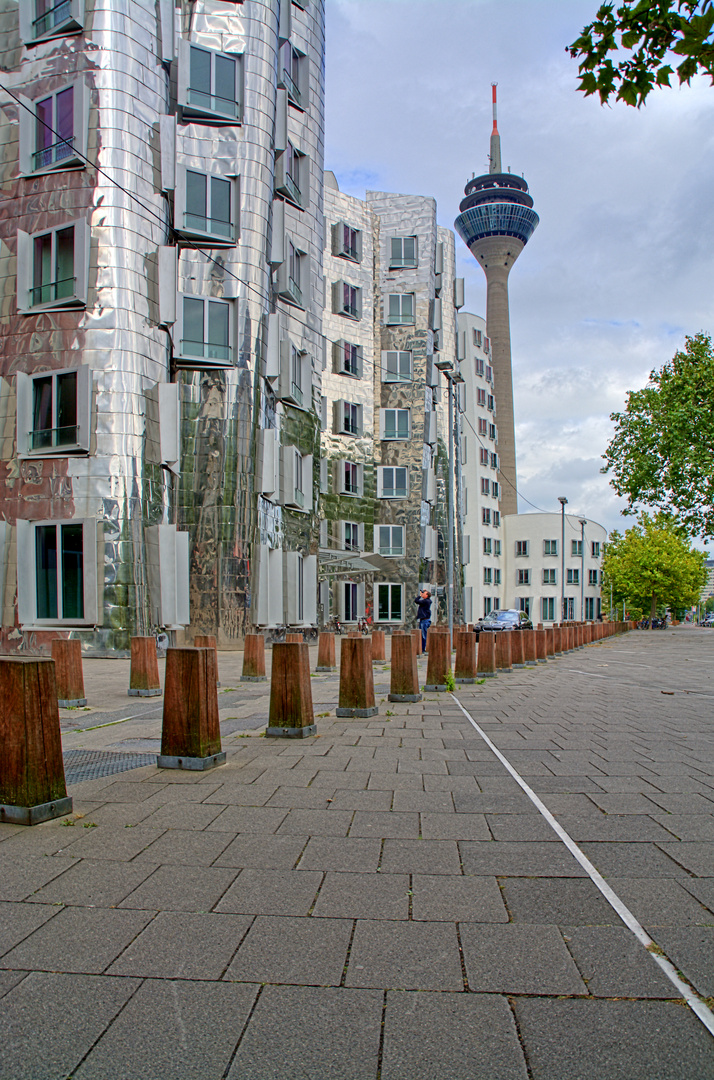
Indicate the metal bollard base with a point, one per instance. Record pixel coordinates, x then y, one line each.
144 693
291 732
33 815
358 712
404 697
195 764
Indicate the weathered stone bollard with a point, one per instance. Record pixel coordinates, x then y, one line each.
439 663
254 659
504 662
486 663
404 685
356 679
291 714
326 660
32 784
190 734
379 654
294 639
144 671
67 655
517 649
541 646
530 656
465 663
207 641
416 638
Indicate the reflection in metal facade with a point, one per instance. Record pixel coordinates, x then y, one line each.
172 326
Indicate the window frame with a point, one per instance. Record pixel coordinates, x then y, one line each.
342 365
190 110
297 90
352 425
523 577
27 582
576 549
206 237
395 492
292 176
553 546
393 587
401 262
26 267
349 307
399 319
343 250
353 491
392 551
549 575
592 577
572 575
73 23
29 126
595 549
485 515
396 375
400 435
295 382
25 398
183 359
292 279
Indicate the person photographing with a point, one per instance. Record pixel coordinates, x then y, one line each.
423 602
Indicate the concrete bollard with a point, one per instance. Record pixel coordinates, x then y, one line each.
190 734
530 655
486 656
254 659
356 679
326 659
541 646
379 653
517 649
503 652
439 663
67 655
32 784
416 638
404 685
291 714
465 664
294 639
207 641
144 671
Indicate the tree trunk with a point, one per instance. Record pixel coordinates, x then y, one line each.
653 611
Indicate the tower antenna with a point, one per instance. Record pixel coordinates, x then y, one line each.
495 157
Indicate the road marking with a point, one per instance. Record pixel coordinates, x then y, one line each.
696 1004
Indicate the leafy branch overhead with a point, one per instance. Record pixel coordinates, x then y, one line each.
629 49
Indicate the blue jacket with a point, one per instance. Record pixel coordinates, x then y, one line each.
423 608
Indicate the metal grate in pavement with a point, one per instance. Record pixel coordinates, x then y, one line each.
91 764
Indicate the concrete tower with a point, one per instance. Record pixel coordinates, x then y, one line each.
496 221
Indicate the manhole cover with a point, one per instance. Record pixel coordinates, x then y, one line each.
91 764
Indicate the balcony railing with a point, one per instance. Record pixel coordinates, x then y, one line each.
205 350
291 87
296 393
51 291
211 226
53 155
299 498
213 103
52 18
50 438
293 191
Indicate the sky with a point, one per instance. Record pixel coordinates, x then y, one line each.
619 270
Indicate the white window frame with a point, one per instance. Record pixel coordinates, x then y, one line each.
182 357
487 575
355 490
196 110
550 576
483 456
351 366
349 424
296 89
487 545
25 269
595 549
296 479
494 460
523 577
393 492
349 248
485 515
576 549
550 548
25 397
481 396
392 587
355 529
497 547
357 600
69 16
396 432
485 485
592 577
497 576
479 366
547 608
208 237
482 426
295 383
347 300
492 431
496 518
27 574
573 575
396 548
397 259
292 176
397 366
292 279
28 126
494 489
524 605
406 315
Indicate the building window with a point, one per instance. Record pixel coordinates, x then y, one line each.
347 300
400 309
550 547
487 545
477 338
57 571
348 418
351 606
403 253
547 608
351 535
576 548
569 611
487 605
395 424
479 365
494 461
524 605
496 577
392 483
292 74
494 489
52 268
592 577
58 408
205 208
480 396
296 478
347 358
483 456
492 431
490 402
41 19
496 518
482 426
396 366
292 176
204 338
346 242
391 540
350 478
522 547
596 549
390 605
523 577
485 486
496 547
550 577
209 84
487 575
573 577
53 130
293 275
485 516
295 383
589 608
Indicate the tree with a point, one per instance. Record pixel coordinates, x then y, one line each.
653 566
650 33
662 453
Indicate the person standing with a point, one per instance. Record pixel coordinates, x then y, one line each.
423 602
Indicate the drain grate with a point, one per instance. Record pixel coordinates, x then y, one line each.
91 764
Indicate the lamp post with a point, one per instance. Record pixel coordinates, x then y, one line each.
562 500
583 523
453 376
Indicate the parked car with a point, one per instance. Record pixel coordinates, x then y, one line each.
503 619
708 620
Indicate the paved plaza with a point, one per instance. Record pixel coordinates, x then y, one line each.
383 901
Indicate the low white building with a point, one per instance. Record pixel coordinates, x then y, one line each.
541 574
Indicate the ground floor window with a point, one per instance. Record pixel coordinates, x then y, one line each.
486 605
547 608
57 571
350 605
589 608
524 604
390 607
569 609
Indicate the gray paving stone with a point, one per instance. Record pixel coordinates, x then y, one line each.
349 853
457 899
420 857
405 956
249 819
620 1040
512 859
420 1041
361 800
384 781
192 815
74 1011
631 860
18 921
702 889
451 783
684 804
688 826
293 950
386 824
614 964
613 827
518 959
695 856
262 852
519 827
364 896
338 1035
626 804
175 1030
9 979
316 823
353 780
181 945
93 883
271 892
691 950
77 939
660 902
454 827
22 877
301 798
560 901
485 803
193 888
438 802
179 847
124 791
242 794
564 785
116 844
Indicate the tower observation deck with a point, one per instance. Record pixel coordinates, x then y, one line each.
496 221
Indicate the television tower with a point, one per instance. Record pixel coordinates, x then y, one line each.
496 221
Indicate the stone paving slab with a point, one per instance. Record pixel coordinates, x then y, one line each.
405 956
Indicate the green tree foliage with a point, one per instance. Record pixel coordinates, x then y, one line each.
627 50
653 566
662 453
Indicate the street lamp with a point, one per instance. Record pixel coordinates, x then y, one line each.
583 523
453 375
562 500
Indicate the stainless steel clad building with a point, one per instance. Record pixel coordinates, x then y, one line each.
160 333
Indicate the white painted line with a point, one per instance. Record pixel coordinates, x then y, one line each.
696 1004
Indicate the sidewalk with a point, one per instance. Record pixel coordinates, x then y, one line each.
383 901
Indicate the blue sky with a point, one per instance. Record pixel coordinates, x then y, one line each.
620 267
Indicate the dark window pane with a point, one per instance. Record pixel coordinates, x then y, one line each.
42 412
396 612
196 184
42 269
193 326
64 263
200 73
45 138
46 571
67 408
383 601
72 572
225 84
221 207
